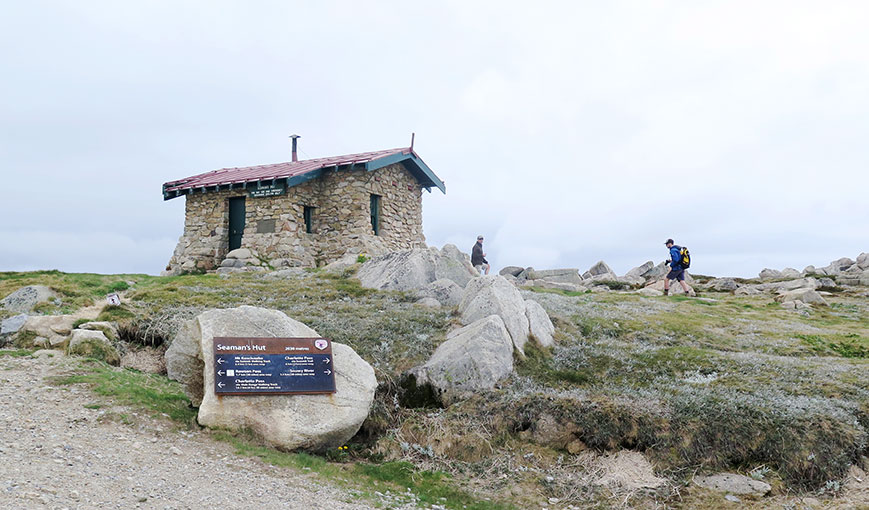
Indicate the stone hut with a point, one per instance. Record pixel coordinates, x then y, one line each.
303 213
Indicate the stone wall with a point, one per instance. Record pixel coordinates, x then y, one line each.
275 226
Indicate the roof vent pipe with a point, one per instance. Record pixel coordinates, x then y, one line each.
295 154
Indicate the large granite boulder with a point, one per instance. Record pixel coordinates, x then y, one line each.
93 344
641 270
446 292
768 274
569 275
790 272
414 269
288 422
45 331
494 295
24 299
474 357
863 260
511 270
539 323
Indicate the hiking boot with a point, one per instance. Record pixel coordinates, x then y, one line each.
666 292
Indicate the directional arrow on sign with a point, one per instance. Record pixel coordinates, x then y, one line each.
327 361
221 361
220 385
220 372
327 372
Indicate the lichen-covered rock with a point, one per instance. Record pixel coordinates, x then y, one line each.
539 323
414 269
93 344
447 292
474 357
24 299
494 295
284 421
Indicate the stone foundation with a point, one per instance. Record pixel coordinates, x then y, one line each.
275 226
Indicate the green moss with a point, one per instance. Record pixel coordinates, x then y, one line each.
150 392
112 313
16 353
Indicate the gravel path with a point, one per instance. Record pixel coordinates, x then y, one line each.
57 454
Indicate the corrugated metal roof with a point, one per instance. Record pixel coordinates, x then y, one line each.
275 171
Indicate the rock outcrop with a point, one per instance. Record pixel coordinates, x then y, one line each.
474 357
494 295
415 269
284 421
539 323
93 344
24 299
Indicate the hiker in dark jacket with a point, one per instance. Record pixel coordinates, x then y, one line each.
478 258
677 272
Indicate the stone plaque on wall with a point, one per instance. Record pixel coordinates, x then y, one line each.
265 227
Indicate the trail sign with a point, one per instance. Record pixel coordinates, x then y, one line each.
273 366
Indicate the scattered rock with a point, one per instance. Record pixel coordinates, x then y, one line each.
734 484
769 274
569 275
642 270
287 422
24 299
540 326
474 357
790 272
809 296
724 285
10 326
543 284
649 291
747 290
511 270
601 268
93 344
110 329
494 295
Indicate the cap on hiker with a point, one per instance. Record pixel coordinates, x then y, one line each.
669 241
479 238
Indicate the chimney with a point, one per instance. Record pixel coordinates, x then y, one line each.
295 154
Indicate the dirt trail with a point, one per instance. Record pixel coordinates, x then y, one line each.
57 454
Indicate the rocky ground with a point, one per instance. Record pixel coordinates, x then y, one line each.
60 450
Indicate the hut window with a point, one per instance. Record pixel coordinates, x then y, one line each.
309 219
375 214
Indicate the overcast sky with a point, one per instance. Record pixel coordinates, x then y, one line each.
566 132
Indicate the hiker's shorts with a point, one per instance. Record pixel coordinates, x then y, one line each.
676 274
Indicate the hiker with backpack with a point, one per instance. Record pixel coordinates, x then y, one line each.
679 261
